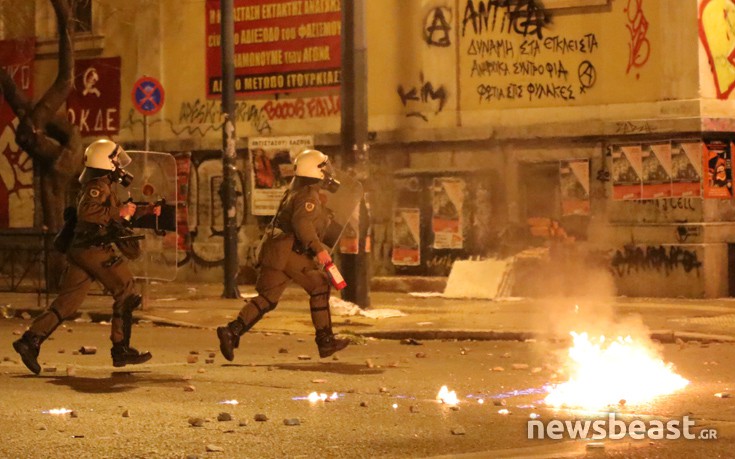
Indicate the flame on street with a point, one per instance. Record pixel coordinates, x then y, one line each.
611 372
58 411
447 397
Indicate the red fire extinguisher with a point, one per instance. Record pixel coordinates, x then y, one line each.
335 276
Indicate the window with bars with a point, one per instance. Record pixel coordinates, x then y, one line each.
82 16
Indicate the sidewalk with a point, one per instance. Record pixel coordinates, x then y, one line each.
200 306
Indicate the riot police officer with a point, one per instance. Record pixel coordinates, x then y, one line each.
101 221
291 249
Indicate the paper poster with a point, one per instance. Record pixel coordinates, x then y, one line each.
446 218
626 172
406 237
272 168
686 168
349 243
716 162
574 177
656 158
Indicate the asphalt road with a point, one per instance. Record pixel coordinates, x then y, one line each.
386 403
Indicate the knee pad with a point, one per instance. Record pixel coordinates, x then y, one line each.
263 304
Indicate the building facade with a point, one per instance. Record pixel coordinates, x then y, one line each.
571 134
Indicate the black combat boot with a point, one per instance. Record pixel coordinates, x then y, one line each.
229 338
328 344
123 354
28 346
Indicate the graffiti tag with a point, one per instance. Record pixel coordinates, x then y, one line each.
639 48
523 17
632 258
316 107
424 93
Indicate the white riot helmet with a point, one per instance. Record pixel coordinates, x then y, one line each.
315 164
106 155
310 163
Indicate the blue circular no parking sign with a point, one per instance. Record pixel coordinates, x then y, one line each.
148 95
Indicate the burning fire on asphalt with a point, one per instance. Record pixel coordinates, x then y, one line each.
447 397
58 411
604 372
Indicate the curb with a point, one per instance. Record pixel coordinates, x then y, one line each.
662 336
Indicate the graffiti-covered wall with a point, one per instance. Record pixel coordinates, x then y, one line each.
583 119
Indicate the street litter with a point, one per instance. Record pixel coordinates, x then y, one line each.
340 307
426 294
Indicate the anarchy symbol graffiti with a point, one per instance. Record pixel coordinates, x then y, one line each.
587 75
436 27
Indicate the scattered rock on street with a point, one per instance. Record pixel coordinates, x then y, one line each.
215 449
304 357
192 358
283 350
243 422
196 422
126 414
292 422
459 430
413 409
420 355
261 417
189 388
411 342
88 350
224 417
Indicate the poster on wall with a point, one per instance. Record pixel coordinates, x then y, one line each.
406 237
574 177
271 160
686 168
93 104
626 172
447 200
717 167
280 46
656 158
349 243
16 167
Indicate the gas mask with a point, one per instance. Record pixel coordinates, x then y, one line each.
119 159
329 182
122 177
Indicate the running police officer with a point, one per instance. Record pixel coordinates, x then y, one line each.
291 249
101 221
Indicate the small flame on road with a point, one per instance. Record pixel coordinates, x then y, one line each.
58 411
447 397
315 397
605 372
